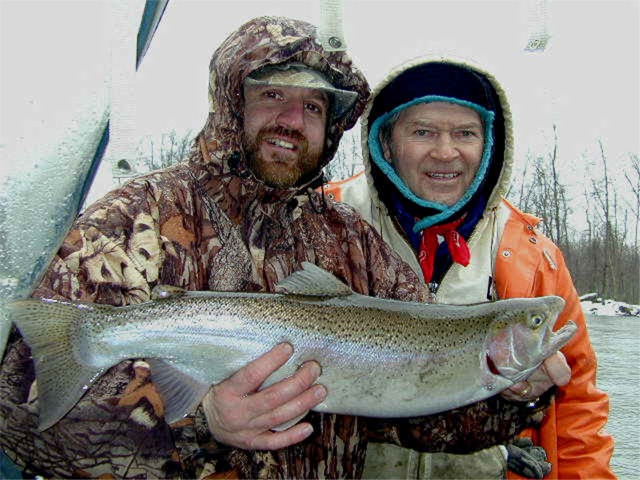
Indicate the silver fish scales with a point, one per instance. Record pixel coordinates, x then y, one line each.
380 358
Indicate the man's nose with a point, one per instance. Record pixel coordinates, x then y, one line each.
445 148
291 115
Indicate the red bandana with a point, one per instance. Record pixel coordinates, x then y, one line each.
457 247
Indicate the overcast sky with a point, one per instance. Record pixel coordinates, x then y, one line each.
586 81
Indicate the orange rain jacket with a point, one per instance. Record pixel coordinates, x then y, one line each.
572 430
507 247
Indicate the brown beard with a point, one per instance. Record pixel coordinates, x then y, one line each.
277 171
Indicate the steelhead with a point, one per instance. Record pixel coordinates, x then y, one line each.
379 358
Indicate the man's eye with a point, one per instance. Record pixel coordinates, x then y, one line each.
314 108
272 94
467 134
421 132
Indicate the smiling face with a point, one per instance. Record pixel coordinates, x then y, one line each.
436 148
284 132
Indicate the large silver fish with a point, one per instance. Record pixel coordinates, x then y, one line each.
380 358
40 197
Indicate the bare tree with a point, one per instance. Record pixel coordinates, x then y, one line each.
519 184
559 202
171 149
606 246
633 180
542 193
348 158
601 193
604 256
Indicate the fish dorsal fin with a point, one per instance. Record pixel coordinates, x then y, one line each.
313 281
180 392
162 292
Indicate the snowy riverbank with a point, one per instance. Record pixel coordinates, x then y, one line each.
610 308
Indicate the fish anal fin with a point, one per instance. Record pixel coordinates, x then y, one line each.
162 292
313 281
180 392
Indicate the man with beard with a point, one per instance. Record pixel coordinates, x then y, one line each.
285 114
240 214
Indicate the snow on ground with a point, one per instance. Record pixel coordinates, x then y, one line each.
610 308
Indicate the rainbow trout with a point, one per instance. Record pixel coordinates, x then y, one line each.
380 358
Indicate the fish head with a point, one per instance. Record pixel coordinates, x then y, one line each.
522 336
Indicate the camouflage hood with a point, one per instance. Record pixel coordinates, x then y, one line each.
260 42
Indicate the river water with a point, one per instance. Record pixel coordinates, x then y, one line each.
616 341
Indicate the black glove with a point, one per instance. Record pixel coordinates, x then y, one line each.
527 459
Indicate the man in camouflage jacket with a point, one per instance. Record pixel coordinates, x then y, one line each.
215 222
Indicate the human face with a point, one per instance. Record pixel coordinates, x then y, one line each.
284 132
436 148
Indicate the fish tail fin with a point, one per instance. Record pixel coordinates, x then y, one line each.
62 379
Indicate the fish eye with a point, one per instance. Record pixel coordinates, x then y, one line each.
537 320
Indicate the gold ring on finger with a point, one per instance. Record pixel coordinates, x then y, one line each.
526 390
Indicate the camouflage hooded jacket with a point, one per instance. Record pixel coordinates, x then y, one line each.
209 224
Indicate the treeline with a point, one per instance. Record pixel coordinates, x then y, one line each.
170 148
593 218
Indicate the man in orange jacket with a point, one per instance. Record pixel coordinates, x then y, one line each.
437 148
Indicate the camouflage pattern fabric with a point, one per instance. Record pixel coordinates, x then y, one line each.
209 224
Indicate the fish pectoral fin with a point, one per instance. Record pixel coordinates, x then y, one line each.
313 281
163 292
180 392
289 424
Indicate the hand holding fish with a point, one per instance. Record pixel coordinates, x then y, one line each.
554 371
241 416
